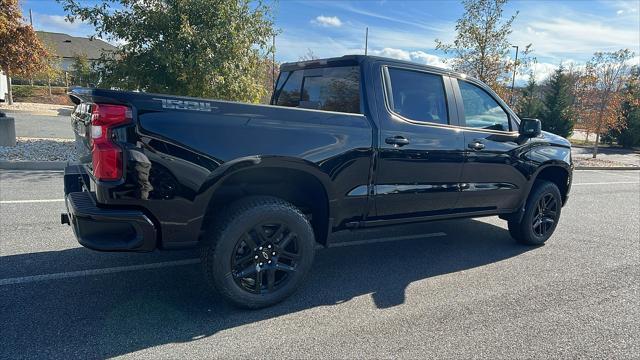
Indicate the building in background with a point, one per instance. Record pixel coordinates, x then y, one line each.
68 47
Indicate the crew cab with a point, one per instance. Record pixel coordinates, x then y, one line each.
346 143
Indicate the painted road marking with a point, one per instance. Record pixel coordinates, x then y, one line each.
607 183
91 272
30 201
118 269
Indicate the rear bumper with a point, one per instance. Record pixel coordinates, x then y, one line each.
105 229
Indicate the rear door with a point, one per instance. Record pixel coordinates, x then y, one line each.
421 151
490 177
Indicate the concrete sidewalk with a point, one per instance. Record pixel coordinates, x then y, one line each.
41 120
627 157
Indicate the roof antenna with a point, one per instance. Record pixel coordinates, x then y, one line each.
366 41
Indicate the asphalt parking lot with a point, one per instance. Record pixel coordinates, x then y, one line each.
461 289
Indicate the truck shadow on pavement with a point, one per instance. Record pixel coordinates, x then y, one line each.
117 314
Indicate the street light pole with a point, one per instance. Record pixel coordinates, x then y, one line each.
366 41
513 80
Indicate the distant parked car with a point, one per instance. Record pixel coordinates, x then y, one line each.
348 143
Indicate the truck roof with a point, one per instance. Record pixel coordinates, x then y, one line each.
353 60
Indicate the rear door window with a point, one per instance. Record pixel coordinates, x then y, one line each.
418 96
330 89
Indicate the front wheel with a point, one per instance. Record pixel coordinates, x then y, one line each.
259 253
541 215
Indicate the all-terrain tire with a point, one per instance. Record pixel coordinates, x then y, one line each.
527 230
220 241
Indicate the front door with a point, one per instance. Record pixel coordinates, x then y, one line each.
490 178
421 154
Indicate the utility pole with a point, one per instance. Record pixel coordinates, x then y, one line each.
513 80
31 17
366 41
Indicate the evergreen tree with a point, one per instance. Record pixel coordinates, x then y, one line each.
557 116
530 105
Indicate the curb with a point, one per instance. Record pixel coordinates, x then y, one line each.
621 149
607 168
32 165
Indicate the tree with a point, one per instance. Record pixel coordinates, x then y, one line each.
481 48
82 70
205 48
309 55
628 134
599 92
51 70
530 105
557 115
22 53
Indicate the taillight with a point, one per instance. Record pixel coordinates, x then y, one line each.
106 155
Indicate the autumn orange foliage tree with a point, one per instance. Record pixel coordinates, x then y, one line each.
21 52
599 92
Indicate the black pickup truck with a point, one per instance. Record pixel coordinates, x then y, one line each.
347 143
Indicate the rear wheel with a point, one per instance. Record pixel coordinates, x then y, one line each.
259 253
541 215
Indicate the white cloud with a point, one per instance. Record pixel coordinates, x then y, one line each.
393 53
327 21
428 59
620 12
634 61
55 22
561 37
540 71
415 56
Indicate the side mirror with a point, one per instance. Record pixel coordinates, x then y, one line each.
530 127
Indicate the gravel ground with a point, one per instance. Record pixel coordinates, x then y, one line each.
39 149
589 162
35 108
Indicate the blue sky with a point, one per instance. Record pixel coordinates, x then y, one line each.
560 31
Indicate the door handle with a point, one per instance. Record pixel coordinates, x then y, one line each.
476 145
397 141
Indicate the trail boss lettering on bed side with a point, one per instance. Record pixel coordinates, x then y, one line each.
185 104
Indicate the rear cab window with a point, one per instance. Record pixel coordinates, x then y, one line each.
329 89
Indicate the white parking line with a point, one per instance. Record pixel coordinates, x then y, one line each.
29 201
72 274
607 183
117 269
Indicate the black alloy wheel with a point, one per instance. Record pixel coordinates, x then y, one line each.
258 251
264 258
545 214
541 214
